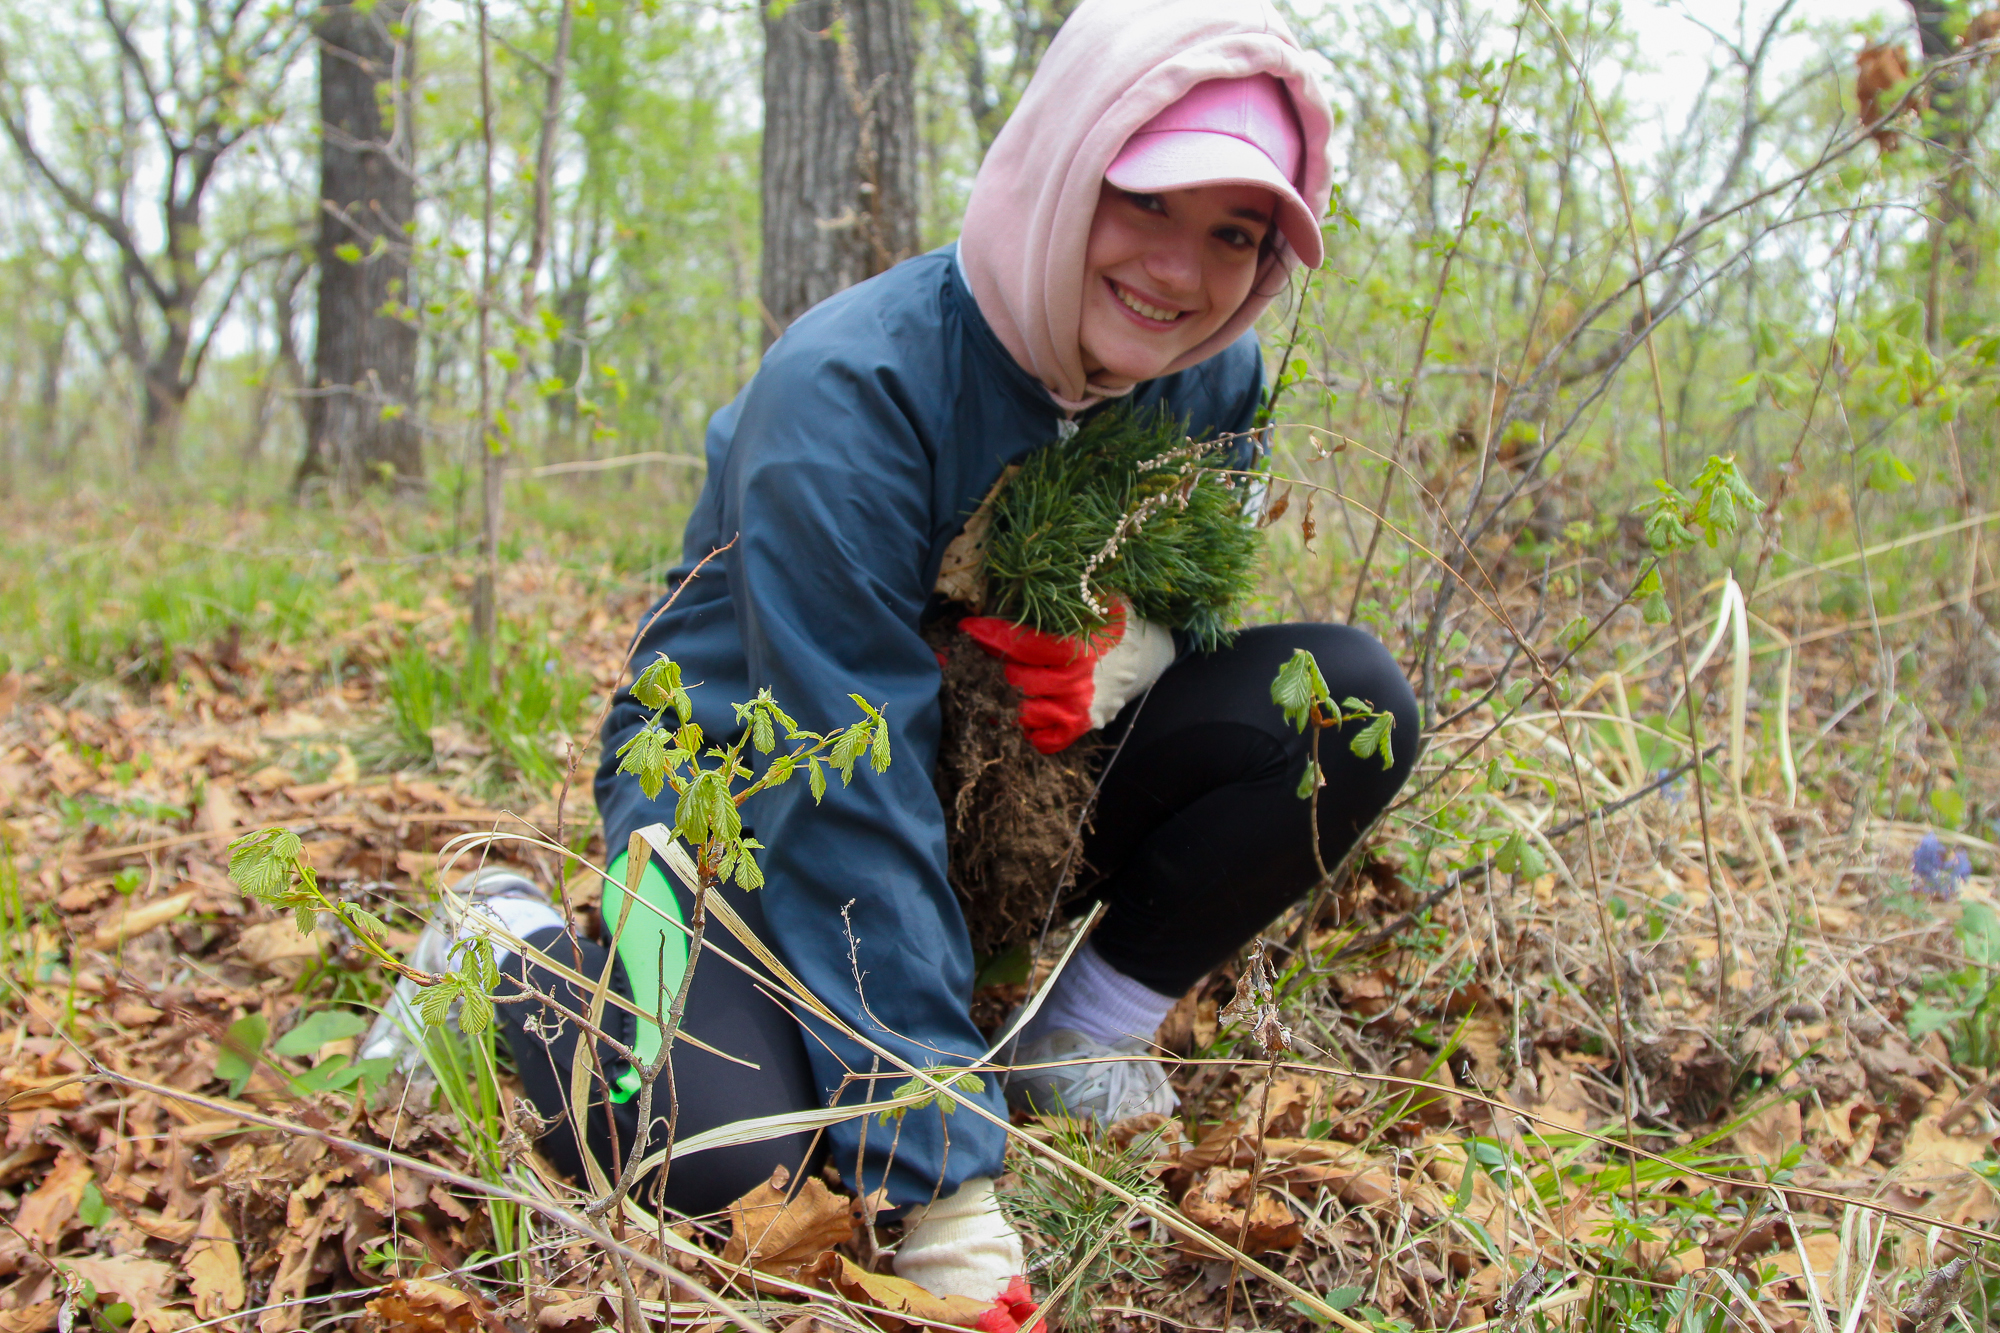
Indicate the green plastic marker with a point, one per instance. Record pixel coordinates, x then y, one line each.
654 953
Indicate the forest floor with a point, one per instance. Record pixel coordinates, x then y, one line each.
1640 1079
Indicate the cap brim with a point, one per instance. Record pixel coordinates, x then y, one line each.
1194 159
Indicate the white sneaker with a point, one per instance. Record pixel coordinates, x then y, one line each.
398 1031
1104 1090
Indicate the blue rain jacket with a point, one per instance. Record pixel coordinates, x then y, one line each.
873 429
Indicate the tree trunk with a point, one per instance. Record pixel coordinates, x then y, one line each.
1947 125
840 149
362 426
166 394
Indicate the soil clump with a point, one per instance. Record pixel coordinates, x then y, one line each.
1010 810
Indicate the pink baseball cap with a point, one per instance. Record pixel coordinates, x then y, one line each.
1226 132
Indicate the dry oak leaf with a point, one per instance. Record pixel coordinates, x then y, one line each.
1484 1038
142 1284
1769 1134
1216 1201
561 1314
1232 1144
1968 1201
214 1265
781 1234
418 1305
1821 1251
1287 1103
1488 1204
47 1213
899 1296
296 1251
221 813
1561 1102
173 1230
269 943
1933 1156
35 1092
34 1318
130 922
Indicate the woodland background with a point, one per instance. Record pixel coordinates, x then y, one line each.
350 410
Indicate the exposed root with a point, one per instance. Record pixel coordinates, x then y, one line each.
1011 810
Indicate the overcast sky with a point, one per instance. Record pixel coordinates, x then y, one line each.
1681 50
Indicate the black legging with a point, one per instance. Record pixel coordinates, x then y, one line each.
725 1010
1199 841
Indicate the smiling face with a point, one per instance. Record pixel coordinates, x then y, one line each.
1163 272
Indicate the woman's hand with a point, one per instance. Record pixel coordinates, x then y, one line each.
1071 685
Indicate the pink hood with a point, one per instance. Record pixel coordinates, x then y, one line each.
1114 66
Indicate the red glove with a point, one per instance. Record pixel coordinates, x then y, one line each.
1069 686
1013 1312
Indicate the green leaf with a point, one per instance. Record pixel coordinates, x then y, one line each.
914 1087
1652 598
1886 472
435 1002
1309 781
1922 1019
1519 856
849 746
237 1054
1299 687
749 875
317 1029
706 811
644 756
348 253
91 1209
1374 739
878 749
364 922
655 687
816 778
477 1015
262 864
333 1074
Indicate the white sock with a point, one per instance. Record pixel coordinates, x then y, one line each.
1102 1003
962 1245
521 917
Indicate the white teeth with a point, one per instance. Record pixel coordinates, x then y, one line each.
1149 311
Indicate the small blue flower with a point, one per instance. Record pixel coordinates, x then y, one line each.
1936 875
1672 791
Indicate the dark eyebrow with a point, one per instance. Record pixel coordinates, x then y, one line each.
1250 215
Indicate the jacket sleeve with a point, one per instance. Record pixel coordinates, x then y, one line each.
828 492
